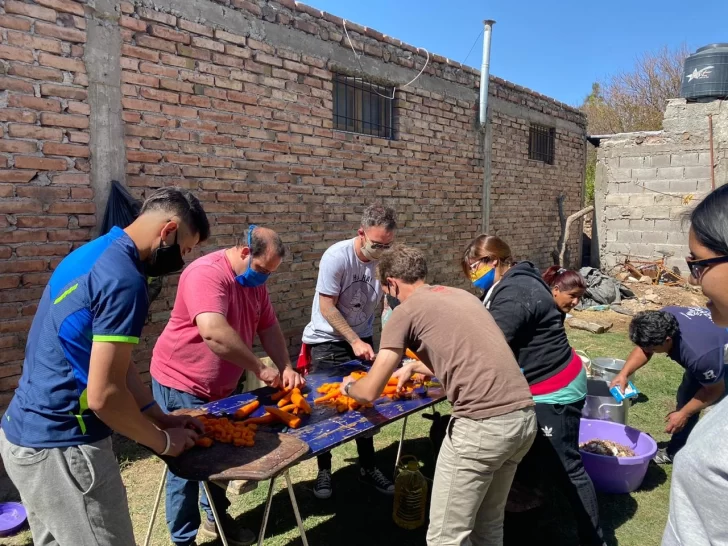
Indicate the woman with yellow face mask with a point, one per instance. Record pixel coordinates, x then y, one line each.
524 308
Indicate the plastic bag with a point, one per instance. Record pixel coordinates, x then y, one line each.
121 210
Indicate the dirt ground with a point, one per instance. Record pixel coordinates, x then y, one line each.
648 297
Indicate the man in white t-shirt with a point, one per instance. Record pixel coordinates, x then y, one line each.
341 327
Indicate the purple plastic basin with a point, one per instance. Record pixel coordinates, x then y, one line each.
12 518
616 474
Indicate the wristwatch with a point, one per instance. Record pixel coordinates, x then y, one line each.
347 388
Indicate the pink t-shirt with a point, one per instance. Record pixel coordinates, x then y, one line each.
181 359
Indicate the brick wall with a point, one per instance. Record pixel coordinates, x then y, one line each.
646 182
235 103
45 197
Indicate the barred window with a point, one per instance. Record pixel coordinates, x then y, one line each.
362 107
541 143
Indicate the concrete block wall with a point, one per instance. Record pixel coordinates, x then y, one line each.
647 182
234 101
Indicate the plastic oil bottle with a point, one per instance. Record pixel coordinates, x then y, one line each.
410 496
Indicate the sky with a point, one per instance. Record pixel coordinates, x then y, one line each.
557 51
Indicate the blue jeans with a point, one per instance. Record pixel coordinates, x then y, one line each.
183 515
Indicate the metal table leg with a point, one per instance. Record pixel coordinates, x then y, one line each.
291 494
266 513
218 520
156 505
399 447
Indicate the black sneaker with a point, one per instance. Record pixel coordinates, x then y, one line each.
236 536
661 457
376 479
322 489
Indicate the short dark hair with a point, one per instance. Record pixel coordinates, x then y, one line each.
379 215
262 240
652 328
181 203
709 221
402 262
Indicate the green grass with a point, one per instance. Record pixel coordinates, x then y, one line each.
357 516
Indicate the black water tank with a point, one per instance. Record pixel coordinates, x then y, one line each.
705 74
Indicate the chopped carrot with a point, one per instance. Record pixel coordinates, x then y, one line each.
300 401
290 420
285 400
247 409
204 441
263 420
280 394
289 407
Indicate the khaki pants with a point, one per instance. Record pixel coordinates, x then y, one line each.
474 472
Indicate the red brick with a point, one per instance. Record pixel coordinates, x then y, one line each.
15 85
195 27
227 60
34 103
40 163
245 98
261 46
77 51
238 51
14 325
35 72
86 220
32 42
153 132
26 266
206 43
69 235
157 16
129 64
179 111
143 40
6 190
80 79
82 193
196 125
21 116
248 6
194 53
78 137
139 53
126 7
72 207
220 140
62 33
143 157
70 150
15 23
16 176
229 37
75 107
63 5
18 146
33 131
174 60
62 63
174 85
156 94
64 91
16 54
60 120
182 159
133 24
83 165
71 179
142 105
9 281
29 10
159 120
194 100
148 68
139 79
42 222
228 84
79 22
296 67
169 34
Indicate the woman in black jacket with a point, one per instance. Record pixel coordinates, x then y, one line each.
523 305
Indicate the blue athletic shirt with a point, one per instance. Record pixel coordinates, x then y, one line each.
97 293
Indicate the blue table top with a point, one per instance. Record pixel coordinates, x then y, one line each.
325 429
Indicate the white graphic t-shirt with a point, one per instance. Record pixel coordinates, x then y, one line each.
343 274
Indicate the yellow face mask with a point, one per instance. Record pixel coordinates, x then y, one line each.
483 277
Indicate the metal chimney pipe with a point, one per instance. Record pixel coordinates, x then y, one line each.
485 70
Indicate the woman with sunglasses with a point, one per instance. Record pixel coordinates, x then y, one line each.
524 307
700 469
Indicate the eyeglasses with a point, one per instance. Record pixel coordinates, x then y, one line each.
475 265
698 267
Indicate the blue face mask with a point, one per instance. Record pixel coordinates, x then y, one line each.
251 278
484 277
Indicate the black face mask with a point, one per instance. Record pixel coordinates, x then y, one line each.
392 301
165 259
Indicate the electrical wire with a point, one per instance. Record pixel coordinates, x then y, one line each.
473 46
394 89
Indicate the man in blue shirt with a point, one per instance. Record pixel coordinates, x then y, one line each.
79 384
689 337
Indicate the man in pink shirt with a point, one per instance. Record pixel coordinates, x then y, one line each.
222 303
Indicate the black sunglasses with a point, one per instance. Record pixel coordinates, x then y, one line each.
698 267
